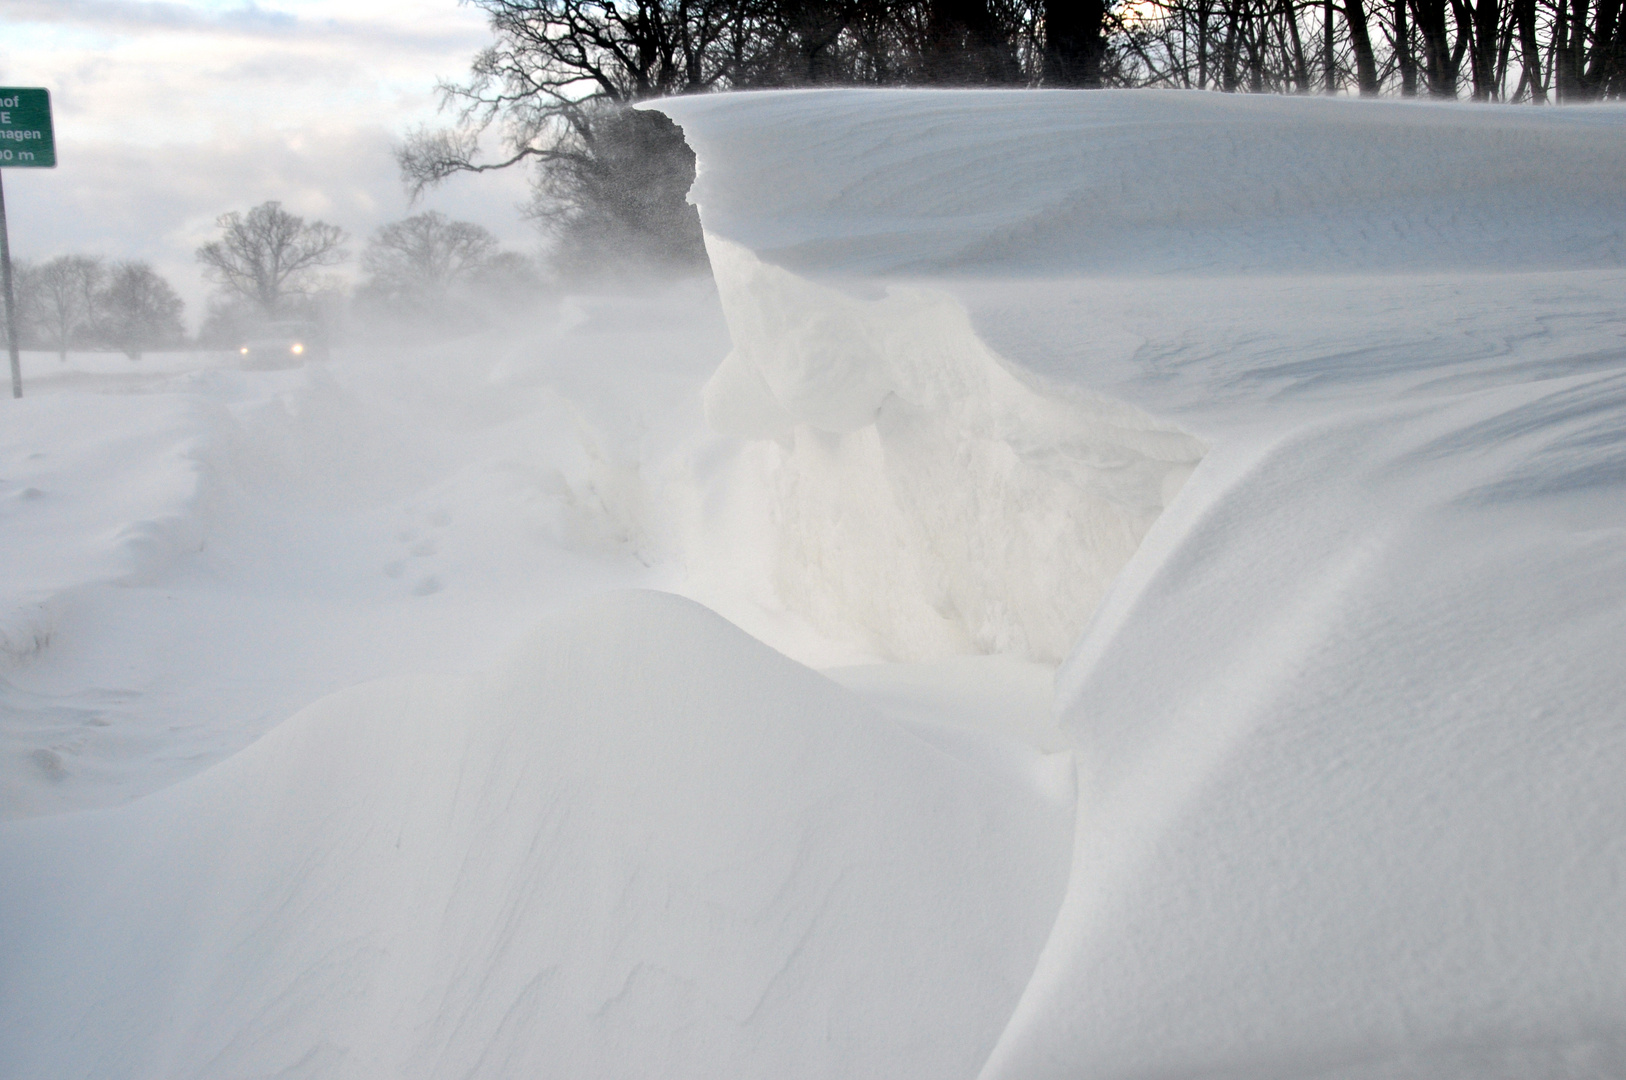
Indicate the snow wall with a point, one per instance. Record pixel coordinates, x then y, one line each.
1349 720
902 486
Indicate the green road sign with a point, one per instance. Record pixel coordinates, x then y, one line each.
26 140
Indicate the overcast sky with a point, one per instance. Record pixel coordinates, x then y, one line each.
171 112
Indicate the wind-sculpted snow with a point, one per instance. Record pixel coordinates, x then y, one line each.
96 497
1348 721
978 182
646 845
906 489
910 491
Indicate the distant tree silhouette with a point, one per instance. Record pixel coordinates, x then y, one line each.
1074 42
421 258
65 292
430 269
268 254
139 311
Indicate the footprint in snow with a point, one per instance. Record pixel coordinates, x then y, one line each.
424 547
394 569
427 586
49 762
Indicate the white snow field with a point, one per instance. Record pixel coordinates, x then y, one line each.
1166 568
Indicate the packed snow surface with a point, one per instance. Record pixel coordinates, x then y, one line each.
646 844
1209 517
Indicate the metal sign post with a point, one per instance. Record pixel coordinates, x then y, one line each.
26 142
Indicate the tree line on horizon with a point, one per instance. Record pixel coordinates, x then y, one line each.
1531 51
555 52
268 263
82 301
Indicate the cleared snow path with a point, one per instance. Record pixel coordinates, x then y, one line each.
193 553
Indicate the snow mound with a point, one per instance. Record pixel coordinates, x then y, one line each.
647 845
1367 820
1348 720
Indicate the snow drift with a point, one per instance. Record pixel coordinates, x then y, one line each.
1342 738
124 526
908 490
1348 722
645 845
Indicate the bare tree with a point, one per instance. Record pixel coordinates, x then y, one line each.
268 254
426 254
556 84
65 292
139 310
428 276
559 63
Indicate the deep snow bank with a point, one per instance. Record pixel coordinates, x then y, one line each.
905 488
1348 722
647 845
1351 742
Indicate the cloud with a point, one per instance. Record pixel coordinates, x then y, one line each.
246 20
165 84
171 113
151 15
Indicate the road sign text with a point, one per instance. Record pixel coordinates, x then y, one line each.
26 138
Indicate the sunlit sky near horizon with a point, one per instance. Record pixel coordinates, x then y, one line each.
171 112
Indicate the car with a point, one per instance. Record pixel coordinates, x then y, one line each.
282 345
